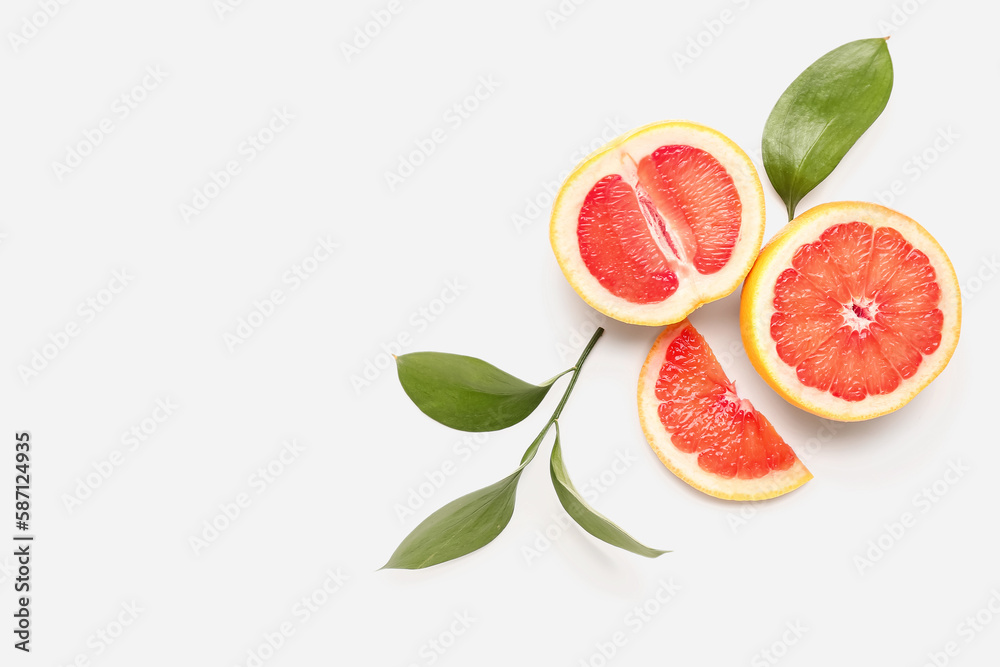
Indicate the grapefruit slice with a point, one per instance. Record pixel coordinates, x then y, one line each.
850 311
703 431
658 222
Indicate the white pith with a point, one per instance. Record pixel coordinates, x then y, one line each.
620 157
679 261
858 322
685 464
778 254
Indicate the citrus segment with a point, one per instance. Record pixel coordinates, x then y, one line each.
703 431
846 311
658 222
616 245
696 201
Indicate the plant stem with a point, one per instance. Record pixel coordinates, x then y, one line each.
576 374
575 370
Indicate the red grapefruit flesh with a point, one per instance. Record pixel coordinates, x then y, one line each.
703 431
659 222
851 310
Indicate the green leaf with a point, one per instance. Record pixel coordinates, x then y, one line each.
822 114
589 519
466 393
464 525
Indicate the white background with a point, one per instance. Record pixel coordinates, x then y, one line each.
744 572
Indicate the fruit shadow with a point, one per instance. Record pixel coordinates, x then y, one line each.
585 555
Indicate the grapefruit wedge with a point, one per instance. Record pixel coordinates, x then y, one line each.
658 222
850 311
703 431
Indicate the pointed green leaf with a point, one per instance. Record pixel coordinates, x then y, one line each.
822 114
464 525
458 528
466 393
589 519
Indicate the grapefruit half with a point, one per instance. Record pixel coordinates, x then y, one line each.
703 431
850 311
658 222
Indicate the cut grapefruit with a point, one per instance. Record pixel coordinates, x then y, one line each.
703 431
850 311
658 222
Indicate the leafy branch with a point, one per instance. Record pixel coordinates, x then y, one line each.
471 395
